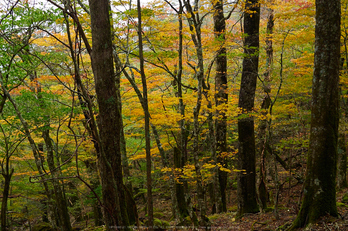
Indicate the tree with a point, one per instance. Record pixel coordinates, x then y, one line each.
221 98
319 187
147 122
266 103
8 147
108 122
247 202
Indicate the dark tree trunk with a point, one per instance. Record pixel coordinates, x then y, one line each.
5 193
247 196
319 187
221 98
179 187
109 116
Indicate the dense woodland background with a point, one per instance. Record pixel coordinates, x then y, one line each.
140 126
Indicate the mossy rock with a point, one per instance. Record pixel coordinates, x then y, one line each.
43 226
345 198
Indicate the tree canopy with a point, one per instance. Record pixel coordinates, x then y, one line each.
166 113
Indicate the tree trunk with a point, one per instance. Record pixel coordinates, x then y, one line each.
319 187
90 125
147 124
108 122
37 157
61 203
247 196
180 152
196 35
266 103
7 176
179 188
221 98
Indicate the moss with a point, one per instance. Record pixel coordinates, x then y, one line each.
284 227
165 224
186 222
43 226
268 209
232 208
160 223
339 204
158 214
345 198
214 216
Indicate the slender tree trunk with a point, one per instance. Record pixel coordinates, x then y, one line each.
147 124
180 152
5 193
266 103
110 163
320 187
61 203
196 35
221 98
7 172
247 196
37 157
90 124
92 171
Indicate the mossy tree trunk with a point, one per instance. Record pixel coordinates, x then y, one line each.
247 197
7 173
266 103
115 213
179 188
221 98
320 188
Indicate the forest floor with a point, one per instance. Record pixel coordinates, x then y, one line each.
263 221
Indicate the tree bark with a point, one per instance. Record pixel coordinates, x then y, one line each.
108 122
221 98
7 174
266 103
247 196
147 124
196 35
319 187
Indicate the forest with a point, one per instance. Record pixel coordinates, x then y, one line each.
173 115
